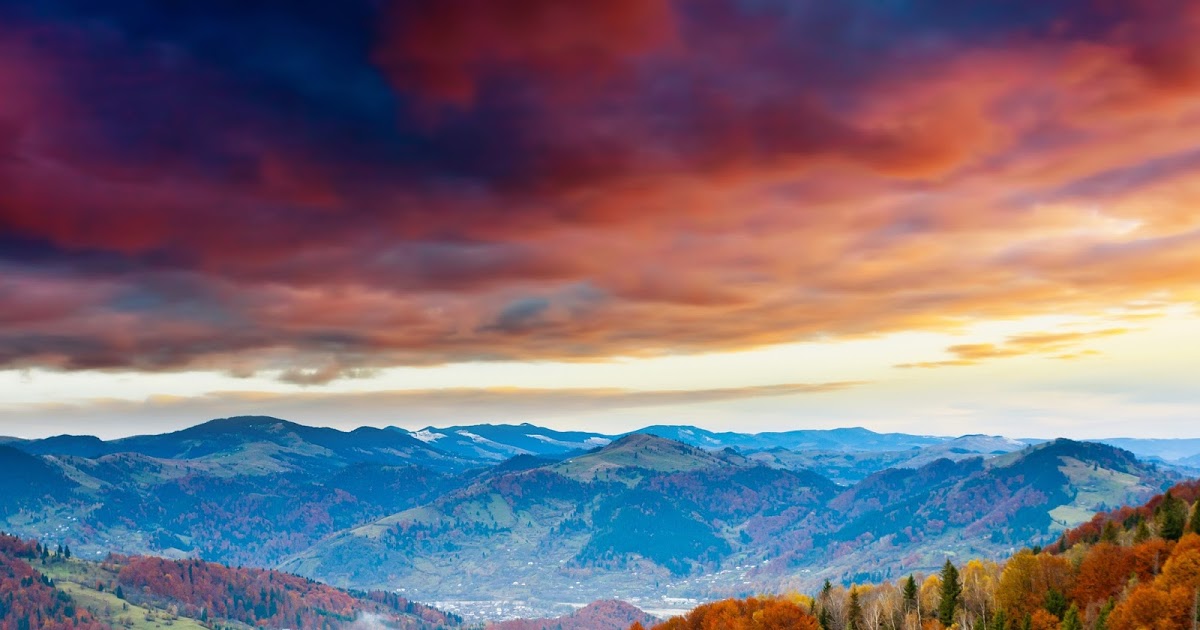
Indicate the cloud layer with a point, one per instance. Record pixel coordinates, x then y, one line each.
324 191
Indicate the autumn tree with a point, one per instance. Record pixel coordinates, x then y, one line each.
1027 579
929 596
979 580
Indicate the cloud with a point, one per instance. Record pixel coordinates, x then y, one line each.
324 193
1057 345
446 49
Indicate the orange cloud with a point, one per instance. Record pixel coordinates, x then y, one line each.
1061 345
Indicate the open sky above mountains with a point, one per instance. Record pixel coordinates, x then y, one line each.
926 215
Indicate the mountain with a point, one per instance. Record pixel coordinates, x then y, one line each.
632 454
600 615
64 592
287 444
851 467
651 518
847 439
1169 450
79 445
980 507
259 443
638 514
498 442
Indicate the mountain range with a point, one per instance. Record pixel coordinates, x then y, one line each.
471 517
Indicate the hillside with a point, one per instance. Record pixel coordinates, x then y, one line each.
144 592
625 521
648 519
1133 568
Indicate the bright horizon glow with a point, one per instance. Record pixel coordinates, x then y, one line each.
1021 396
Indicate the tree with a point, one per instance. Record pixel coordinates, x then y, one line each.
1172 517
1110 534
1071 620
1142 534
978 602
1105 611
951 592
910 593
1056 602
854 614
1195 524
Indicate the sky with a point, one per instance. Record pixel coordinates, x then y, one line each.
930 216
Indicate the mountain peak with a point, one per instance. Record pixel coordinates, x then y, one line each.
246 422
640 451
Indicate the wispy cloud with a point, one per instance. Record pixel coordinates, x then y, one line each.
1056 345
406 407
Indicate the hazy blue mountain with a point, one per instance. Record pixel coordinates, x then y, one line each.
80 445
848 439
1184 451
498 442
260 443
849 467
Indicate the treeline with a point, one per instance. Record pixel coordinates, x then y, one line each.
260 597
1135 568
28 599
213 594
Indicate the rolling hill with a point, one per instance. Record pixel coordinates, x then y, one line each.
147 592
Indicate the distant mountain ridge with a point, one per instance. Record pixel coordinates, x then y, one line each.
464 445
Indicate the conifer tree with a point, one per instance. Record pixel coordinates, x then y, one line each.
1110 534
1105 611
951 593
1071 620
1142 534
854 614
1172 517
1195 524
910 593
